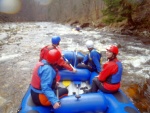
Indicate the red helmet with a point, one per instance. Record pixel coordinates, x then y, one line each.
113 49
53 55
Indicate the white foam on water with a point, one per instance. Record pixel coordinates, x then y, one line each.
8 57
2 101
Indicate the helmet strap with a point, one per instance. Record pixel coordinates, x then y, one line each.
90 49
112 57
54 45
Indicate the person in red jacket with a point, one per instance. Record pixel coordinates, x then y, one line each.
61 63
109 78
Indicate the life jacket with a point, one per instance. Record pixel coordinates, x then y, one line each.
90 61
116 78
45 50
36 81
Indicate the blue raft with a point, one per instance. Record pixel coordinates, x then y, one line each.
88 103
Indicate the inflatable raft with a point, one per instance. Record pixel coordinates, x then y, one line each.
77 101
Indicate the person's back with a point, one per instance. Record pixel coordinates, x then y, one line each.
54 45
43 90
61 62
91 61
45 50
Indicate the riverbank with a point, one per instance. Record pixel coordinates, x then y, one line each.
140 33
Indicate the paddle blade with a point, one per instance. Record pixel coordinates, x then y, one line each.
66 83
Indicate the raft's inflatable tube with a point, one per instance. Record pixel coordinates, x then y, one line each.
80 75
119 103
93 74
93 103
87 103
73 57
27 105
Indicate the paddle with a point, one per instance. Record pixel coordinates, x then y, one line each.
57 80
57 92
66 83
67 61
75 56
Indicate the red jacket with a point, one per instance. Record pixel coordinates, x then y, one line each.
60 62
109 68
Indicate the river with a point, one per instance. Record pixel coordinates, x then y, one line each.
21 44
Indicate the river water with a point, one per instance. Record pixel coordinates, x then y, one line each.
21 44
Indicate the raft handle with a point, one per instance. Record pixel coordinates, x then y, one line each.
78 96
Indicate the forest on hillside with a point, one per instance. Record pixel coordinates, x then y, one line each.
131 15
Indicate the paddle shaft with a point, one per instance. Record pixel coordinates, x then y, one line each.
76 55
57 92
67 61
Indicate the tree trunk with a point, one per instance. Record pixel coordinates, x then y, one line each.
129 16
